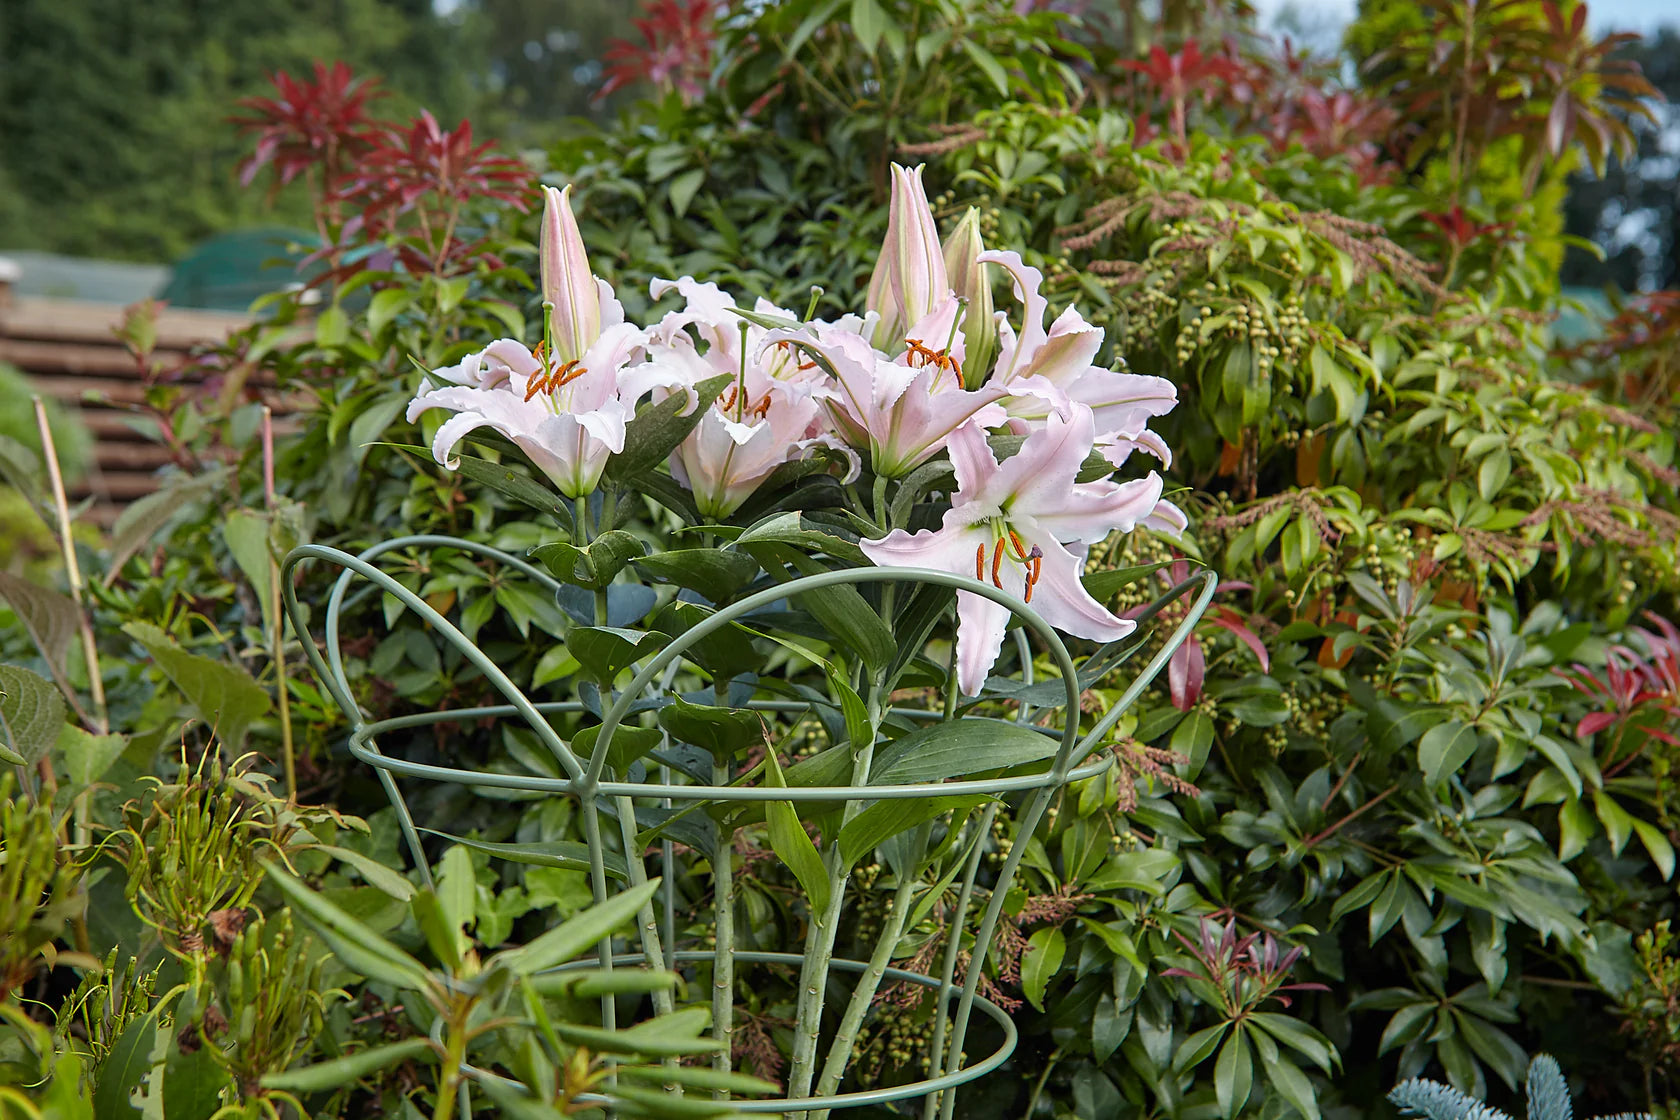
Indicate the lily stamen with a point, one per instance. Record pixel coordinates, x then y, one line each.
918 355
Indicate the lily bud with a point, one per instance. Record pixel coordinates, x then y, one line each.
568 287
909 279
969 280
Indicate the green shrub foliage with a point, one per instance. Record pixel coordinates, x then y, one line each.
1402 807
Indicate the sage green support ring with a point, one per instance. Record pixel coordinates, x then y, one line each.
589 783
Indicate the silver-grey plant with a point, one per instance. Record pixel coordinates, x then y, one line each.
1548 1098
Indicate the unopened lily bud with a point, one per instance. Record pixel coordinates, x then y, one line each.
969 280
568 287
909 279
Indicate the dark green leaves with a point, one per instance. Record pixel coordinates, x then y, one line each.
718 575
223 695
724 733
591 567
658 428
606 651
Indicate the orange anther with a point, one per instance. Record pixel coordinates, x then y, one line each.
537 384
979 561
997 560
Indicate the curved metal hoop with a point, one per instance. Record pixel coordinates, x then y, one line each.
586 782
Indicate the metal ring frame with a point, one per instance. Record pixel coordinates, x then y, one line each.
584 778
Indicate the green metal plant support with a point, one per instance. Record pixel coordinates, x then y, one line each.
587 780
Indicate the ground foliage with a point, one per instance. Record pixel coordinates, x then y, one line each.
1403 808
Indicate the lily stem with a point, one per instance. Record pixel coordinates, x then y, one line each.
723 958
863 996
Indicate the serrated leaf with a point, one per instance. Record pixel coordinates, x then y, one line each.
31 713
223 695
50 619
87 756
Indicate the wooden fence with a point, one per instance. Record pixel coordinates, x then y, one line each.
69 351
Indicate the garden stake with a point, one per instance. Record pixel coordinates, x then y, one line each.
90 651
277 638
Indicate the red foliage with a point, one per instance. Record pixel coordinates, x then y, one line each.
428 174
1245 971
373 180
1641 694
310 124
1177 76
1187 668
1458 229
675 51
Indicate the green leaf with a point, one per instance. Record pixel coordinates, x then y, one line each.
51 620
698 1077
332 328
508 480
958 748
1103 585
325 1076
192 1083
592 567
385 306
31 714
791 528
988 64
881 821
1233 1073
606 651
1444 748
246 534
129 1060
628 744
1656 845
1045 950
869 22
444 941
86 756
850 620
567 854
724 653
1297 1036
656 430
683 189
457 891
580 932
1294 1087
223 695
723 733
791 843
718 575
1109 1027
375 873
356 946
1194 1050
587 983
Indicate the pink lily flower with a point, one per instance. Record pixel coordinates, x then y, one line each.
771 415
902 410
909 280
1023 525
1045 370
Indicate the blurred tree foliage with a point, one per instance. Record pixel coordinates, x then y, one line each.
112 133
1633 210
